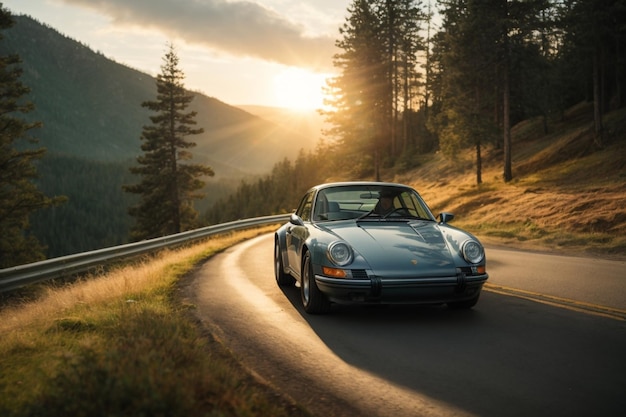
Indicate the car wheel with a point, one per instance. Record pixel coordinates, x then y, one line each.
313 300
465 304
282 279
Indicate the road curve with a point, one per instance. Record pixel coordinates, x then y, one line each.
584 279
509 356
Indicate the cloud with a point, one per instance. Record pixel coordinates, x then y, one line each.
241 28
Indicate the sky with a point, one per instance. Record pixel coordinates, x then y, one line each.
274 53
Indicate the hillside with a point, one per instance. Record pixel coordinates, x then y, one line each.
566 196
90 107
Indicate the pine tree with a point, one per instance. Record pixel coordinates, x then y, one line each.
19 196
594 44
378 70
525 63
168 184
469 64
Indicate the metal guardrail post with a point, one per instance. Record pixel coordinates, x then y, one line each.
19 276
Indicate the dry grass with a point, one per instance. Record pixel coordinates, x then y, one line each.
122 286
121 344
566 195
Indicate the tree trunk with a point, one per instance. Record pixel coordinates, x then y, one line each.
175 199
506 114
479 165
617 98
376 165
597 98
506 127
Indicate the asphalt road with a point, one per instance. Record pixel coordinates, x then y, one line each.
547 338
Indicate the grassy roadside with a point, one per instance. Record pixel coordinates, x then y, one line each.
121 344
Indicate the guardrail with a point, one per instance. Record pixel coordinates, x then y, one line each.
19 276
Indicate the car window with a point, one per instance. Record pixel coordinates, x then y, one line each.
354 201
304 210
414 205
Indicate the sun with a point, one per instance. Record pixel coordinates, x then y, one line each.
299 89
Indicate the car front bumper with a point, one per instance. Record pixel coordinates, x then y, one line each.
378 290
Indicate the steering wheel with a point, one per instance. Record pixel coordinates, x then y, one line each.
396 211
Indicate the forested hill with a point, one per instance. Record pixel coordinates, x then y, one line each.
90 107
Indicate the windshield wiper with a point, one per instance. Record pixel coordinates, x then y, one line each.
369 213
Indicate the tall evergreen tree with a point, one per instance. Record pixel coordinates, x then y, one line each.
490 58
358 88
469 65
19 195
594 45
523 62
168 184
378 71
400 34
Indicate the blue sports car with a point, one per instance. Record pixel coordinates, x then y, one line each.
376 243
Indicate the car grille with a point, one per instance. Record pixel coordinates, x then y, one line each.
359 274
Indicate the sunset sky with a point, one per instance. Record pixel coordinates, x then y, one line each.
243 52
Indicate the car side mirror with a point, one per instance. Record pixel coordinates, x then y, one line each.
445 217
295 219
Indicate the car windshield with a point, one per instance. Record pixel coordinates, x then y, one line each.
370 202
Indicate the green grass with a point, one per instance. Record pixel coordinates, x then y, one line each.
123 344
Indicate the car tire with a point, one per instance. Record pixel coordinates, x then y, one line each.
465 304
282 278
313 300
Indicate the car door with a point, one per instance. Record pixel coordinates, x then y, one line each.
297 233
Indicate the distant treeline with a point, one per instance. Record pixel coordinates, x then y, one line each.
276 193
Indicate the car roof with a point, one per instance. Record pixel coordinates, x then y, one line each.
363 183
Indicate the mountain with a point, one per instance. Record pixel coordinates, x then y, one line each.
90 107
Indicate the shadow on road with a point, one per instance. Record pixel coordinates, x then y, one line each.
507 356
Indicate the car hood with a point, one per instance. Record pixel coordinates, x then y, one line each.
415 248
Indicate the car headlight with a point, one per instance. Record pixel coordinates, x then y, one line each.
472 251
340 253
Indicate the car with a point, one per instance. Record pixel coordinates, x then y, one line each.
376 243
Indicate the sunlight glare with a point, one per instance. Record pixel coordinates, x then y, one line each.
299 89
